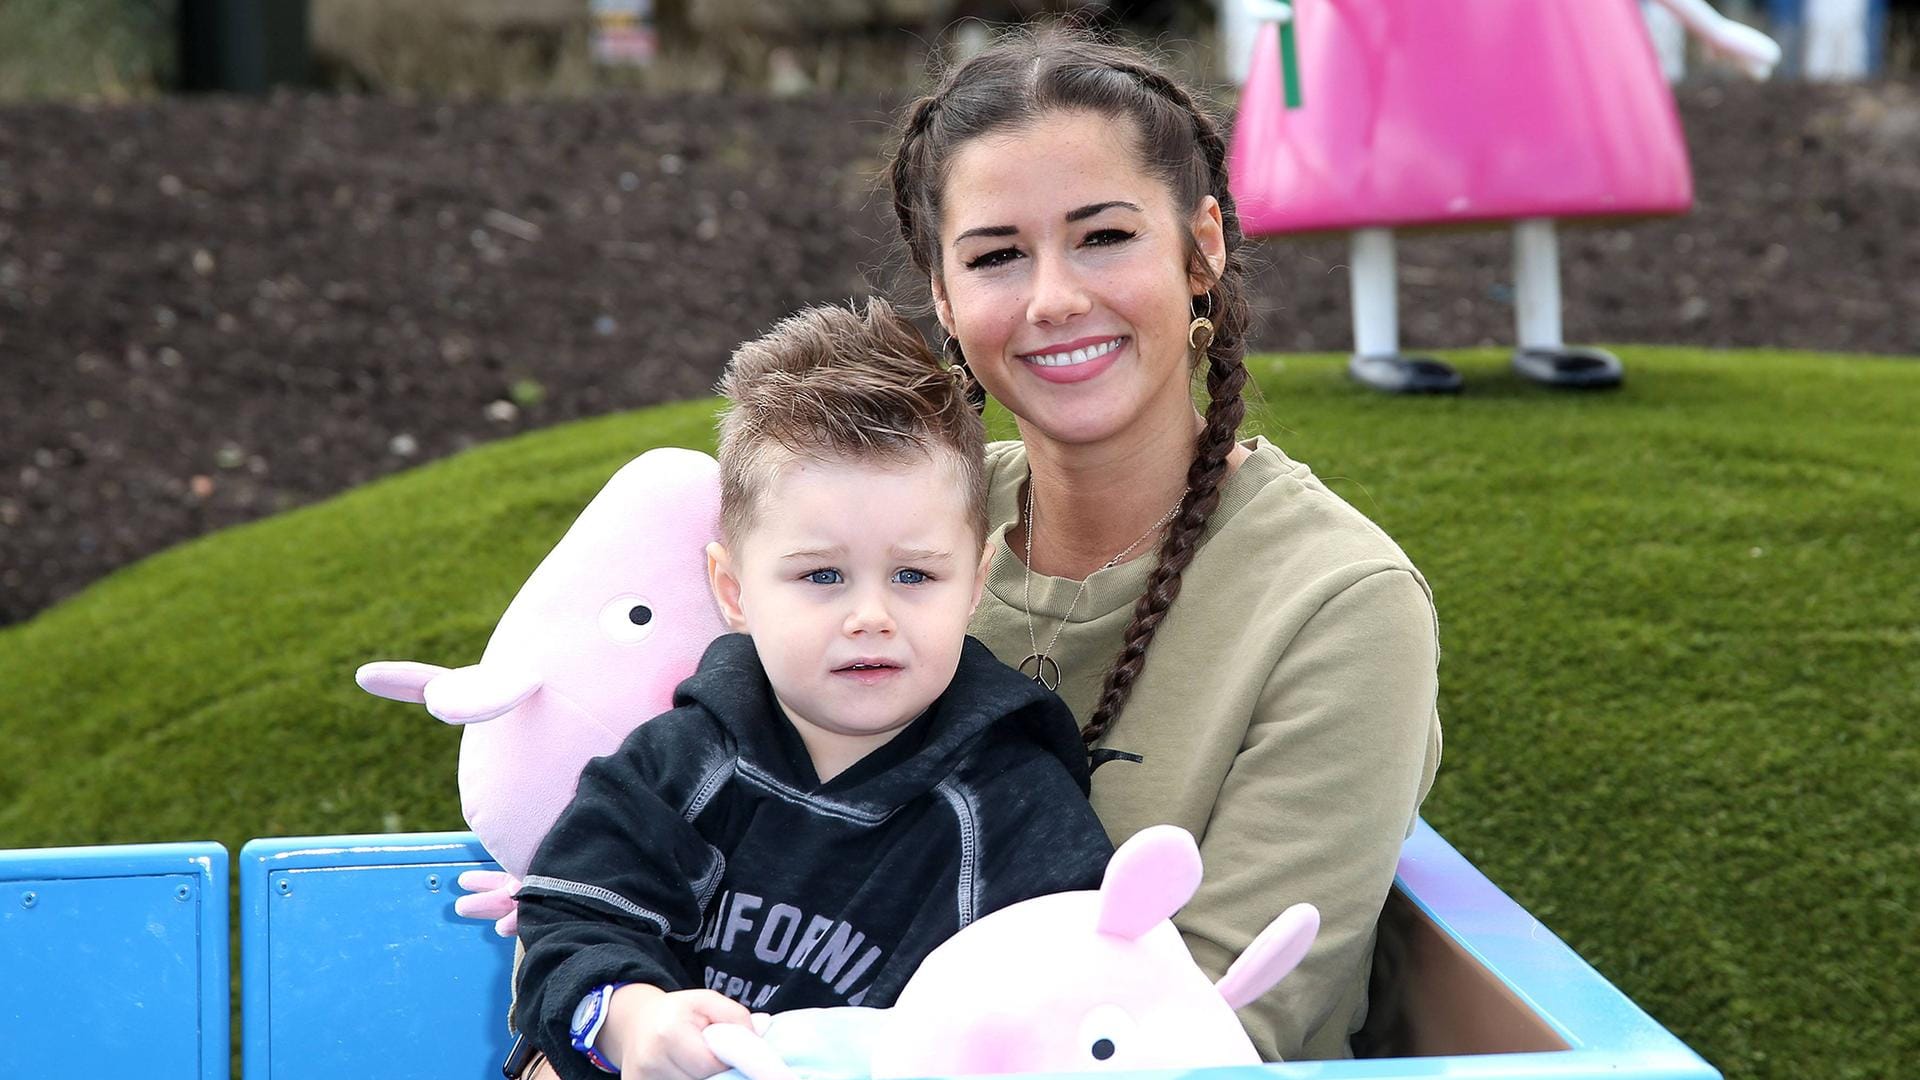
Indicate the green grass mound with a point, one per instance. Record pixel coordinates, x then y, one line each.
1681 670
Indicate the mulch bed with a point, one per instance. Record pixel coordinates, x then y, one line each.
214 310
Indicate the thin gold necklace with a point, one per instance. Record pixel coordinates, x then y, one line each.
1045 670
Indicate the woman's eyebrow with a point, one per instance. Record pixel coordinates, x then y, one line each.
1091 209
987 230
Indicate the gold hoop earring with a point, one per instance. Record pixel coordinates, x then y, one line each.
975 393
1200 330
1200 333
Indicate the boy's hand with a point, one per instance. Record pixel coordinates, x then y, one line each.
653 1034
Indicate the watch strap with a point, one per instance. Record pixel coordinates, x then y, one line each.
585 1034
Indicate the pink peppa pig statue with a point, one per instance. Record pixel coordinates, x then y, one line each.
1418 114
1072 982
614 617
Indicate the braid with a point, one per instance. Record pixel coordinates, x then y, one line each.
919 119
1226 409
1226 377
902 176
1159 83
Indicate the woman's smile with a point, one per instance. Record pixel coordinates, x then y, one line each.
1078 360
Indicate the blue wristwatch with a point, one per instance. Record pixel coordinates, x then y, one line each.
588 1018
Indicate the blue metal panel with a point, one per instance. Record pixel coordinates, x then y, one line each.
115 953
354 963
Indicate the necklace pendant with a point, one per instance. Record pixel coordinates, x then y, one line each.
1042 669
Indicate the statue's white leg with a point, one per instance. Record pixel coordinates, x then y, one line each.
1376 303
1543 355
1536 284
1376 357
1836 39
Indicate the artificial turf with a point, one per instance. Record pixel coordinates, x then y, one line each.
1680 679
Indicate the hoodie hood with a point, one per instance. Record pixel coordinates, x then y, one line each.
983 700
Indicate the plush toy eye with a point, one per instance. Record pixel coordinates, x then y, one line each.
1105 1032
628 619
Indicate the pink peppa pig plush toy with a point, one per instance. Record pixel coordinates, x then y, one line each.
1072 982
614 617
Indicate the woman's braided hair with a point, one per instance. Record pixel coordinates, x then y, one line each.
1032 73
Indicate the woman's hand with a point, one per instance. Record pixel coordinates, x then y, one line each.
654 1034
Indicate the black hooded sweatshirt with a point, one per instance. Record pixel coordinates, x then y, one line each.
706 851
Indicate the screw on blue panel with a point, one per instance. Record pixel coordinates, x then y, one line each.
433 882
29 899
285 886
184 892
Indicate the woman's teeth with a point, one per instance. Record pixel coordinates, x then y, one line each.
1077 356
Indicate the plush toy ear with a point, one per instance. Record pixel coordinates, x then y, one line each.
1281 946
399 680
1152 874
490 895
479 692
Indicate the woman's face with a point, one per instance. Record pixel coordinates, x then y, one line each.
1063 273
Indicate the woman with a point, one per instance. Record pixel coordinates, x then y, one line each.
1250 657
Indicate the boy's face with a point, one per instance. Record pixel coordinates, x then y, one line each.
856 582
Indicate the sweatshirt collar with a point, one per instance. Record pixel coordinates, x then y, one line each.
1051 598
731 685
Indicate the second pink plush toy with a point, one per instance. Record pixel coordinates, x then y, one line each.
614 617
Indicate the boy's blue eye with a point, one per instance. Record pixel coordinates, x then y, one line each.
824 577
910 576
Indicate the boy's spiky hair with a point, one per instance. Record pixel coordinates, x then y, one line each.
840 383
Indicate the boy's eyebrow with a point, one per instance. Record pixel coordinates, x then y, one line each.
903 554
814 553
1078 214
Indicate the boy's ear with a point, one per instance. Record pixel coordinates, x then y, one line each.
980 574
726 586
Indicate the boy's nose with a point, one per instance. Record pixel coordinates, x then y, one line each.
870 616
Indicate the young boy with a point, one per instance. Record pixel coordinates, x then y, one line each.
847 780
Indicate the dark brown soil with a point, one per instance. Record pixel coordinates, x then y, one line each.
214 310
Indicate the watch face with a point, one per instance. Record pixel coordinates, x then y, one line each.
584 1013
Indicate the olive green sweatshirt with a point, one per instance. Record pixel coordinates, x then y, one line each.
1285 717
